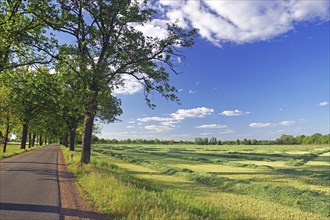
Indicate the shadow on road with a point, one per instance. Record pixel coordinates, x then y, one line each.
49 209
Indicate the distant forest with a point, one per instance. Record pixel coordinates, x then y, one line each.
285 139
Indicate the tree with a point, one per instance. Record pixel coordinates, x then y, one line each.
286 139
316 138
32 93
107 46
325 139
245 141
254 142
199 141
7 113
307 140
300 138
69 103
213 141
22 36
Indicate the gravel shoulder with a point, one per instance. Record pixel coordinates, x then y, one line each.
73 206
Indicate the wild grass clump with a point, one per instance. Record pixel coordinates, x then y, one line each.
295 162
103 164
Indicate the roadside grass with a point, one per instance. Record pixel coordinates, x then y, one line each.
13 149
199 189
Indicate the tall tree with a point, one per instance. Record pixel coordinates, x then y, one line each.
107 45
32 93
7 114
70 102
22 36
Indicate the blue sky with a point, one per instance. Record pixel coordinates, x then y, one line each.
248 82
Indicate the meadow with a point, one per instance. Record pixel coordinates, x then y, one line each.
207 181
12 149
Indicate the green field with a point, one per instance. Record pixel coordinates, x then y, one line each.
207 182
13 149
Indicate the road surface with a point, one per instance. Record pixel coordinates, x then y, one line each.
29 186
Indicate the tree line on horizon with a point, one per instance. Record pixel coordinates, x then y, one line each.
284 139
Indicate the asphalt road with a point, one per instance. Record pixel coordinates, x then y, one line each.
29 186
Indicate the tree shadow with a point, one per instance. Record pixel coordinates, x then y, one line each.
53 209
27 162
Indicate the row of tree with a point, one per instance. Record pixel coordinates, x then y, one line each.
316 138
61 60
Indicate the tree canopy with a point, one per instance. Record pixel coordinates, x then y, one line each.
22 36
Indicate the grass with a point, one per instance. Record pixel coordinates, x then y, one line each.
207 182
13 149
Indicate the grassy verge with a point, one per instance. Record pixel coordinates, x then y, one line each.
13 149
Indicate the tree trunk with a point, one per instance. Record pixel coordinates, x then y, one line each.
87 139
33 139
72 138
5 138
91 108
30 140
40 139
66 139
24 134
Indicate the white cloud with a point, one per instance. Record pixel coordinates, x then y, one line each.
167 124
158 128
155 28
287 123
130 86
261 125
233 113
324 103
171 3
279 132
180 115
227 131
206 134
192 91
149 119
52 71
191 113
237 21
130 126
211 126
